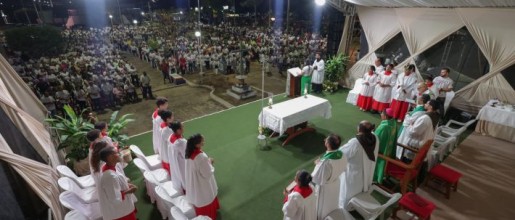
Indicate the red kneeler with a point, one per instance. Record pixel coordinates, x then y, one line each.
447 176
415 204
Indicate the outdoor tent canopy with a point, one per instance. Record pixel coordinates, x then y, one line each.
422 24
27 114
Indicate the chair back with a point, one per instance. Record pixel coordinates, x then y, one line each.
64 171
151 178
185 207
73 202
177 214
140 155
163 195
141 165
68 184
421 155
75 215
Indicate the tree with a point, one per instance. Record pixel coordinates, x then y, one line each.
35 41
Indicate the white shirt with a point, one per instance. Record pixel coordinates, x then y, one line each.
368 90
112 204
201 188
405 83
300 208
177 162
164 149
416 135
318 74
383 94
156 132
442 83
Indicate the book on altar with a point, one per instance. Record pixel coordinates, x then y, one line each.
295 71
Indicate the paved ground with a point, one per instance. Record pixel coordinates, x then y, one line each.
189 102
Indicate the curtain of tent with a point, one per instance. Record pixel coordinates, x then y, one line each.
379 25
20 92
33 129
493 31
41 177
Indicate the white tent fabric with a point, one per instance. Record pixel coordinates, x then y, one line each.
42 178
434 3
424 27
27 113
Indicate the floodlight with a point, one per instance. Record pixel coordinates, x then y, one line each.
320 2
197 33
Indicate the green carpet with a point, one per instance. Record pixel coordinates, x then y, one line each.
250 180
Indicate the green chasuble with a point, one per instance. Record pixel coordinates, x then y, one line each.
387 134
305 81
333 155
419 108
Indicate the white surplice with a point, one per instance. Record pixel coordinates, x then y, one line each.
318 73
383 94
368 90
113 204
406 83
177 162
358 176
299 208
201 188
164 148
326 176
416 134
156 132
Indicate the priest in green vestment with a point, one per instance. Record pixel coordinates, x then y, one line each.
386 132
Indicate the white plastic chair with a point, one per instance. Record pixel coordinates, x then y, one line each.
172 192
339 214
152 161
444 145
352 97
75 215
165 202
73 202
454 128
178 215
368 207
88 195
186 208
160 174
83 181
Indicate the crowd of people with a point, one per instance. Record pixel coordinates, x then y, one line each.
92 73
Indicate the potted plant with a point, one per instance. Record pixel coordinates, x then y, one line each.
71 133
115 131
335 67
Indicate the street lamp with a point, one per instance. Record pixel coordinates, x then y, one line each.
320 2
142 13
180 12
272 19
135 22
111 18
197 34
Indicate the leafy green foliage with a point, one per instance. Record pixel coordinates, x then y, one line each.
35 41
335 68
116 127
72 130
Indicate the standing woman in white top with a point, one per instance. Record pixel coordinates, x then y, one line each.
200 183
300 202
367 90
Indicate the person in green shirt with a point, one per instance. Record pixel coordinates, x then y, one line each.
305 81
386 132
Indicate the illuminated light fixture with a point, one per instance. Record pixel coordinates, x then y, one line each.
225 7
180 12
197 33
142 13
111 16
272 19
135 21
320 2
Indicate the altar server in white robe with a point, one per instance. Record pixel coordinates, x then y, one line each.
383 90
166 131
114 190
201 188
420 131
300 201
177 149
317 78
367 90
405 88
326 176
361 154
162 104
